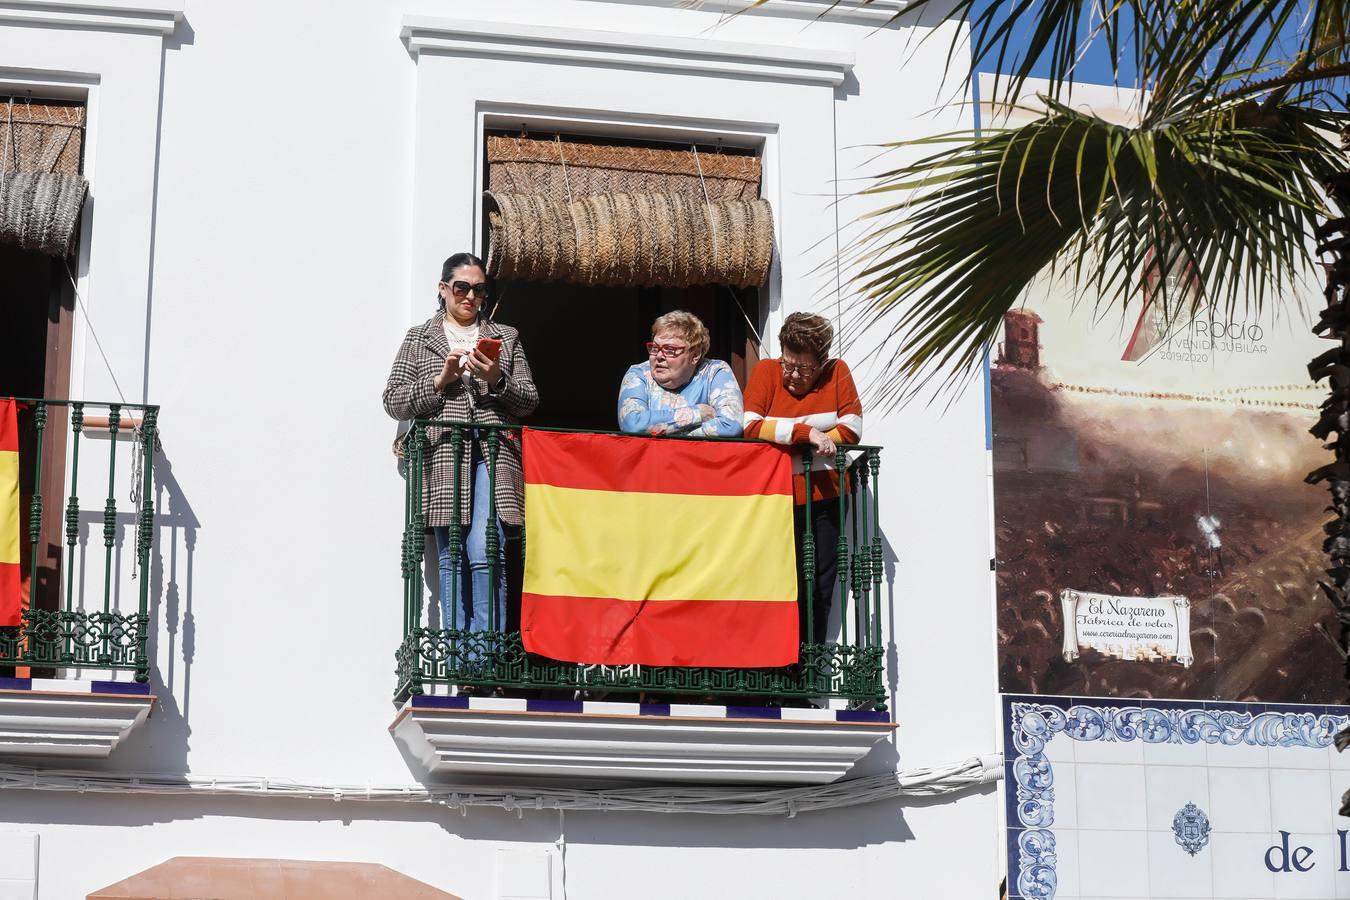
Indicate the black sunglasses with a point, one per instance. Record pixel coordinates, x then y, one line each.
463 289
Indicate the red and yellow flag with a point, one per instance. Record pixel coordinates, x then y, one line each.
10 598
658 552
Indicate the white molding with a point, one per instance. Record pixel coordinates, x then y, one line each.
877 12
647 52
75 724
102 15
613 747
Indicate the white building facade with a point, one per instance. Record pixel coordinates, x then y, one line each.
272 189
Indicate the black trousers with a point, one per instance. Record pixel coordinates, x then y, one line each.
825 534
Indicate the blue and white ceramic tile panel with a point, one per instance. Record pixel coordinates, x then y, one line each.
1163 800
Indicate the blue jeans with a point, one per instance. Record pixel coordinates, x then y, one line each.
473 579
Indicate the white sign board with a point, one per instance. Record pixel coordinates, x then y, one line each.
1140 628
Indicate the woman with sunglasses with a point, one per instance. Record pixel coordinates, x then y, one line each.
677 391
806 398
463 367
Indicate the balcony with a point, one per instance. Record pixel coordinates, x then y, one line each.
74 672
527 715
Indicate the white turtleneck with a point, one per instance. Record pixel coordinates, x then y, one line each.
461 337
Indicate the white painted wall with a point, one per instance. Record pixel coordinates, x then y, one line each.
310 176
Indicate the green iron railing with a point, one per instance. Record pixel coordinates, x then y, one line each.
79 628
851 669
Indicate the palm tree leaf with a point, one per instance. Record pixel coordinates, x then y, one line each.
1225 196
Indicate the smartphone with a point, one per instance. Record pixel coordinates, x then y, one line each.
489 347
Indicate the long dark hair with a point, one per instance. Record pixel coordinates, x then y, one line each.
451 264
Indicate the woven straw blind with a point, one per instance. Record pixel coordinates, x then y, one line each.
41 187
597 214
565 171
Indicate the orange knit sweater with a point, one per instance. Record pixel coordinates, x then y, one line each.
832 406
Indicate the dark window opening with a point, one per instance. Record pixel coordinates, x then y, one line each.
37 301
580 340
36 304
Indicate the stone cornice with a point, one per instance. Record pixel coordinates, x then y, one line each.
149 16
877 12
642 52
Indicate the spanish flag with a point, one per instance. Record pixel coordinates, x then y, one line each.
659 552
10 600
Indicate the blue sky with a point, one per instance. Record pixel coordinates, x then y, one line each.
1095 67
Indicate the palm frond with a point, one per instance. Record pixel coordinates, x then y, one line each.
1226 195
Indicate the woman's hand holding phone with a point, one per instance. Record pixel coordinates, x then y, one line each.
483 361
489 347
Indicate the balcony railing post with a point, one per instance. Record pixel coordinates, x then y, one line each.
110 512
413 539
417 550
419 522
405 549
841 545
862 558
808 548
145 534
874 463
35 505
412 593
456 449
493 538
73 503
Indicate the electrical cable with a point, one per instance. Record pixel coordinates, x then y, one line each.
709 800
89 323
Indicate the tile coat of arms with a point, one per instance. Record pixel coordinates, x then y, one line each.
1191 827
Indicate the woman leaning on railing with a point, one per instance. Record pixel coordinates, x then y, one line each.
463 367
678 390
806 398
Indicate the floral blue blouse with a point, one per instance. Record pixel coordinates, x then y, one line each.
644 405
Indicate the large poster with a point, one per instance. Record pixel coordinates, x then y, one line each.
1154 534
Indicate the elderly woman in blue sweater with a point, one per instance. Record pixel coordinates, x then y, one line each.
677 390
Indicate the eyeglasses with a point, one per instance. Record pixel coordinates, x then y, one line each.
794 369
463 289
665 351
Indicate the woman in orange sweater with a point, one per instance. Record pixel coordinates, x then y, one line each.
804 397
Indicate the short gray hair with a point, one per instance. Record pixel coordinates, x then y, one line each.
688 326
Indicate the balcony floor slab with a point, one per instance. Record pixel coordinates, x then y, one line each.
69 718
616 741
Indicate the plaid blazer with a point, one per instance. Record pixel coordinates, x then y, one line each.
411 394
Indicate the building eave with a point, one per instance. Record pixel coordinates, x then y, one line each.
148 16
424 34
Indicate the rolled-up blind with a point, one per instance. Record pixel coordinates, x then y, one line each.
621 216
566 171
42 189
